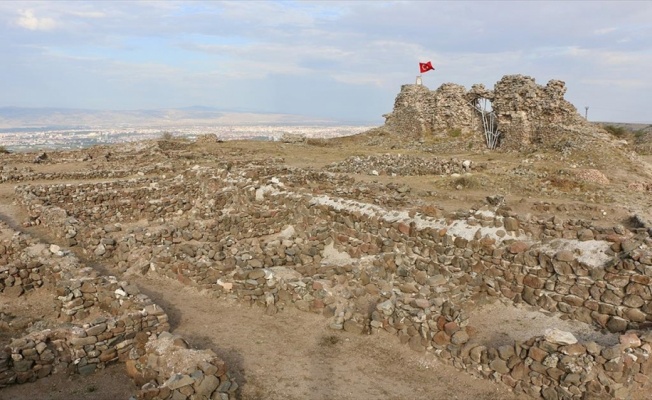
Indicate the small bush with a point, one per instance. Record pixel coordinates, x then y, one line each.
565 184
457 132
616 131
465 182
167 135
640 134
320 142
3 150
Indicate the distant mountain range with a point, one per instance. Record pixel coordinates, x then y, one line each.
19 117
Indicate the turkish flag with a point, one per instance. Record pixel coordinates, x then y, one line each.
425 67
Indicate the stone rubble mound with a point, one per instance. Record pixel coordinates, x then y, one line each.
399 164
167 369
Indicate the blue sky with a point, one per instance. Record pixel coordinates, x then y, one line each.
343 60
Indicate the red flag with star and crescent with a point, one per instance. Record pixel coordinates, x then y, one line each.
425 67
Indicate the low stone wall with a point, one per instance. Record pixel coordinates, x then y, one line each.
26 174
101 320
397 164
368 268
554 366
31 357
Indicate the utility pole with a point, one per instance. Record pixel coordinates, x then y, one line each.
586 113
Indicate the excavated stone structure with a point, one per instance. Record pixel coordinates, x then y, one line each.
525 113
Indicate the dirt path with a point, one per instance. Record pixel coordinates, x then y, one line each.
111 383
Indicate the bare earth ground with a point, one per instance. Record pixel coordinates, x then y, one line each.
294 355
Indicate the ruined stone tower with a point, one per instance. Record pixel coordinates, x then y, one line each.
524 112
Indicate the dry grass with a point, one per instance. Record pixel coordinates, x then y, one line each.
329 341
466 182
566 184
321 142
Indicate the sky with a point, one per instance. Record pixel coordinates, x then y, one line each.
343 60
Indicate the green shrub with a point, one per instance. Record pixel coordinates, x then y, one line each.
617 131
457 132
640 134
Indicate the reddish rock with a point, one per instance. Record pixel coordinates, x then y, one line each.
441 339
533 281
537 354
518 247
629 340
451 327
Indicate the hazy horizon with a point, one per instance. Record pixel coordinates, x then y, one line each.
344 60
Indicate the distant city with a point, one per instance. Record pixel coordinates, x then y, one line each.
62 138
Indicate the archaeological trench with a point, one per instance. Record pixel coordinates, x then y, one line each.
365 257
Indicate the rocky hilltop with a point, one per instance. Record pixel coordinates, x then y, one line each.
529 269
523 112
528 272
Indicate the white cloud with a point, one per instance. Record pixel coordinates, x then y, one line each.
30 21
196 49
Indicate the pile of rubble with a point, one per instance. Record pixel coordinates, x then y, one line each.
167 369
400 164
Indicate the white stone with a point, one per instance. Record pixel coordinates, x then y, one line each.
227 286
557 336
100 250
54 249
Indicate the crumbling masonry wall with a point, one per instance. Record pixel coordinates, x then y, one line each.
526 113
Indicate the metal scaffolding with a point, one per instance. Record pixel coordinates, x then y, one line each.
491 132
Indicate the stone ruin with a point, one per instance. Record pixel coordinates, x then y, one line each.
525 113
95 320
278 237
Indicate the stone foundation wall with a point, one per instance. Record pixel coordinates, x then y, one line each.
26 174
100 319
368 268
